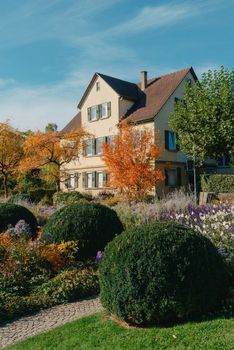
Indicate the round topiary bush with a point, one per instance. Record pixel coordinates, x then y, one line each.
161 273
91 224
10 214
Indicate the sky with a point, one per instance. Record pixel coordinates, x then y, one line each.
50 49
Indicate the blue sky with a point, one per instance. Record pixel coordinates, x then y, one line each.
49 49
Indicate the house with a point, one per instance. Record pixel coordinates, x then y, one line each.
107 101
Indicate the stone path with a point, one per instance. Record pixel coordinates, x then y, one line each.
24 327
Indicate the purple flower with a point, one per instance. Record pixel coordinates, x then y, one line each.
99 256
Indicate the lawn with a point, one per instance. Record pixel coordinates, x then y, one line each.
98 332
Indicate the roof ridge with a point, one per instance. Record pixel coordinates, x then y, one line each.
166 75
109 76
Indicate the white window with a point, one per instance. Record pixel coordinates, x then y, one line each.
89 179
104 111
93 113
100 179
89 148
99 144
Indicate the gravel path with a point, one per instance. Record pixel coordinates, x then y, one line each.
24 327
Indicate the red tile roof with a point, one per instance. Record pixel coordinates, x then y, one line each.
147 103
73 125
156 94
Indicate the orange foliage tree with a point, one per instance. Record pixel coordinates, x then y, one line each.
11 152
50 151
130 160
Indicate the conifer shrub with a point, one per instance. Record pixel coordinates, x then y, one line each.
161 272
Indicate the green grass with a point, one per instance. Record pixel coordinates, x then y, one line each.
97 332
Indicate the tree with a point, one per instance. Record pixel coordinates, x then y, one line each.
11 152
204 121
130 160
51 127
50 151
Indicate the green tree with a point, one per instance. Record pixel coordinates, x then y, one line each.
204 121
51 127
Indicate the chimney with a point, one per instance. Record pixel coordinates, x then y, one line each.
143 80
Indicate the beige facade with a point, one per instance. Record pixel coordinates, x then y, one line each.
99 128
105 103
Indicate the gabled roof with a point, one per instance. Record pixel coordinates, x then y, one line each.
73 125
156 94
121 87
147 104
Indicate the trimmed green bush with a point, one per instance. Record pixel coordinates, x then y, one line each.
93 225
217 183
161 273
10 214
65 198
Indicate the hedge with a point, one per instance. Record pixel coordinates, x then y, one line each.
220 183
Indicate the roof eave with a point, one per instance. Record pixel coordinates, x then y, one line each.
87 90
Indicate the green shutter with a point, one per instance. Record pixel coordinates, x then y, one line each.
179 176
166 177
104 179
94 179
83 180
177 143
76 181
109 109
167 139
98 111
93 147
89 114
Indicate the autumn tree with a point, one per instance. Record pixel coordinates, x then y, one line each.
50 151
11 152
130 160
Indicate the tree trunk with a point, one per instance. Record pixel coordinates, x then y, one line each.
58 185
5 186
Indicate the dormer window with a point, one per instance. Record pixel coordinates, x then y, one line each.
97 86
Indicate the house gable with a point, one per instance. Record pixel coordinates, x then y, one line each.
156 95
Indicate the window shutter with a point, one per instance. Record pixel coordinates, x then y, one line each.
177 144
84 180
166 177
166 139
104 179
109 109
179 176
89 114
94 179
76 180
98 111
93 146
